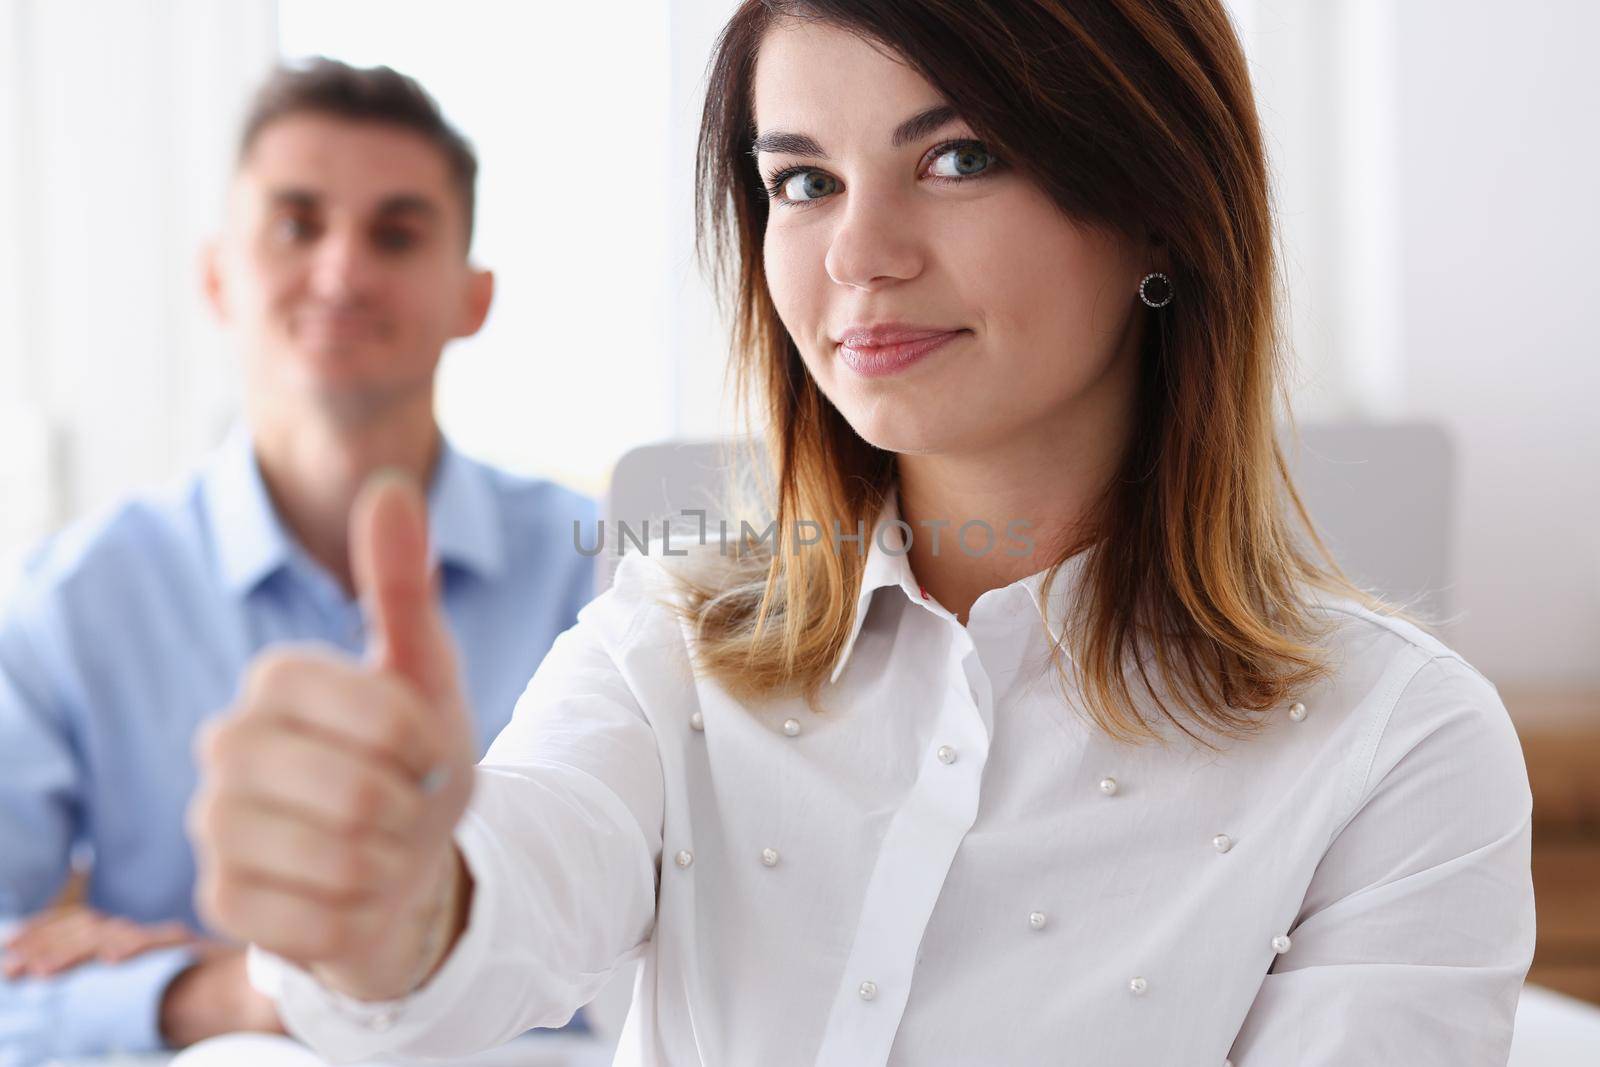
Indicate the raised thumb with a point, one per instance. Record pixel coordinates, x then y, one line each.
399 592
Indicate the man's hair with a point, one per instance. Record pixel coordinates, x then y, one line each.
363 94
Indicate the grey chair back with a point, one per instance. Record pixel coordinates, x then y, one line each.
1381 494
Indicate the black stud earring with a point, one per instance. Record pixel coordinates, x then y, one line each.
1158 294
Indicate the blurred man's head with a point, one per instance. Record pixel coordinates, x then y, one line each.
343 263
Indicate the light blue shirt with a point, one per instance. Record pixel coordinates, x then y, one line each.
129 629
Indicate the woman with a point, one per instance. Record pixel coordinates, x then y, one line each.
1112 773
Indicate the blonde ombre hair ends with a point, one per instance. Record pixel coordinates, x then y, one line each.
1193 603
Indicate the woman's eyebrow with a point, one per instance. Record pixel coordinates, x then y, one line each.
914 128
922 124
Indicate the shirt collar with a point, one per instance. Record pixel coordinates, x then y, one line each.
892 567
252 542
463 517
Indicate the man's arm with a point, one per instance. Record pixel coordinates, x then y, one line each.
97 1007
40 797
210 994
90 1010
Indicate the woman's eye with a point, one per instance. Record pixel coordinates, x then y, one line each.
961 161
807 185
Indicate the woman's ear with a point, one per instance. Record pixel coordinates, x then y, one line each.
477 296
1160 254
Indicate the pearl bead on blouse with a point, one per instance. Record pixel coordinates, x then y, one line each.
1280 943
791 727
1137 986
769 856
946 754
868 990
697 721
1036 920
684 858
1222 842
1108 786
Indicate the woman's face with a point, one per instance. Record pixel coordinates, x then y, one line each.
942 301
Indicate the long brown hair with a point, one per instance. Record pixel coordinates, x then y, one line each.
1132 115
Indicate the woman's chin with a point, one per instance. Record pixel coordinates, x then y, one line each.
903 436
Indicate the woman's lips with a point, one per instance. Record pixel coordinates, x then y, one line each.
873 358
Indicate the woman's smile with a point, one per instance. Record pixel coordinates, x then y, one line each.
879 351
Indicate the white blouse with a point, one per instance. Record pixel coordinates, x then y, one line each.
950 866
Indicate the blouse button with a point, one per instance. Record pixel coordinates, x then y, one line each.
1137 986
868 990
769 856
791 727
1297 711
1036 920
1108 786
683 858
1222 842
1280 944
697 721
947 754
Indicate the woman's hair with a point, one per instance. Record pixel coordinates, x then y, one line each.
1134 116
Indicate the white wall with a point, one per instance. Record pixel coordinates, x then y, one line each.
568 110
698 335
1499 232
115 124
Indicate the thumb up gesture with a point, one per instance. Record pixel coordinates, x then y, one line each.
329 790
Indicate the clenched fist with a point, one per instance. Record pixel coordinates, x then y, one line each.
328 792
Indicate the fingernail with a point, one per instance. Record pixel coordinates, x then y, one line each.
382 475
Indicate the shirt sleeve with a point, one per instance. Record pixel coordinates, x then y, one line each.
92 1010
39 776
95 1008
563 840
1418 926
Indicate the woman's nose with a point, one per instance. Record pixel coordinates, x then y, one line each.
876 244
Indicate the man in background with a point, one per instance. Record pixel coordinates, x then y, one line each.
342 272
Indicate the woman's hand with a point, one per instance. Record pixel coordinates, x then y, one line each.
322 826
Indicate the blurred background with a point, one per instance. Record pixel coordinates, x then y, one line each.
1434 163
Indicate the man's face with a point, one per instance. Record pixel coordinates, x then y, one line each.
343 266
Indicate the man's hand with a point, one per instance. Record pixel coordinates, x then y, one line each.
322 825
62 938
215 997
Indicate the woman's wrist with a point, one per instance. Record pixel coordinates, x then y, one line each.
429 933
445 921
